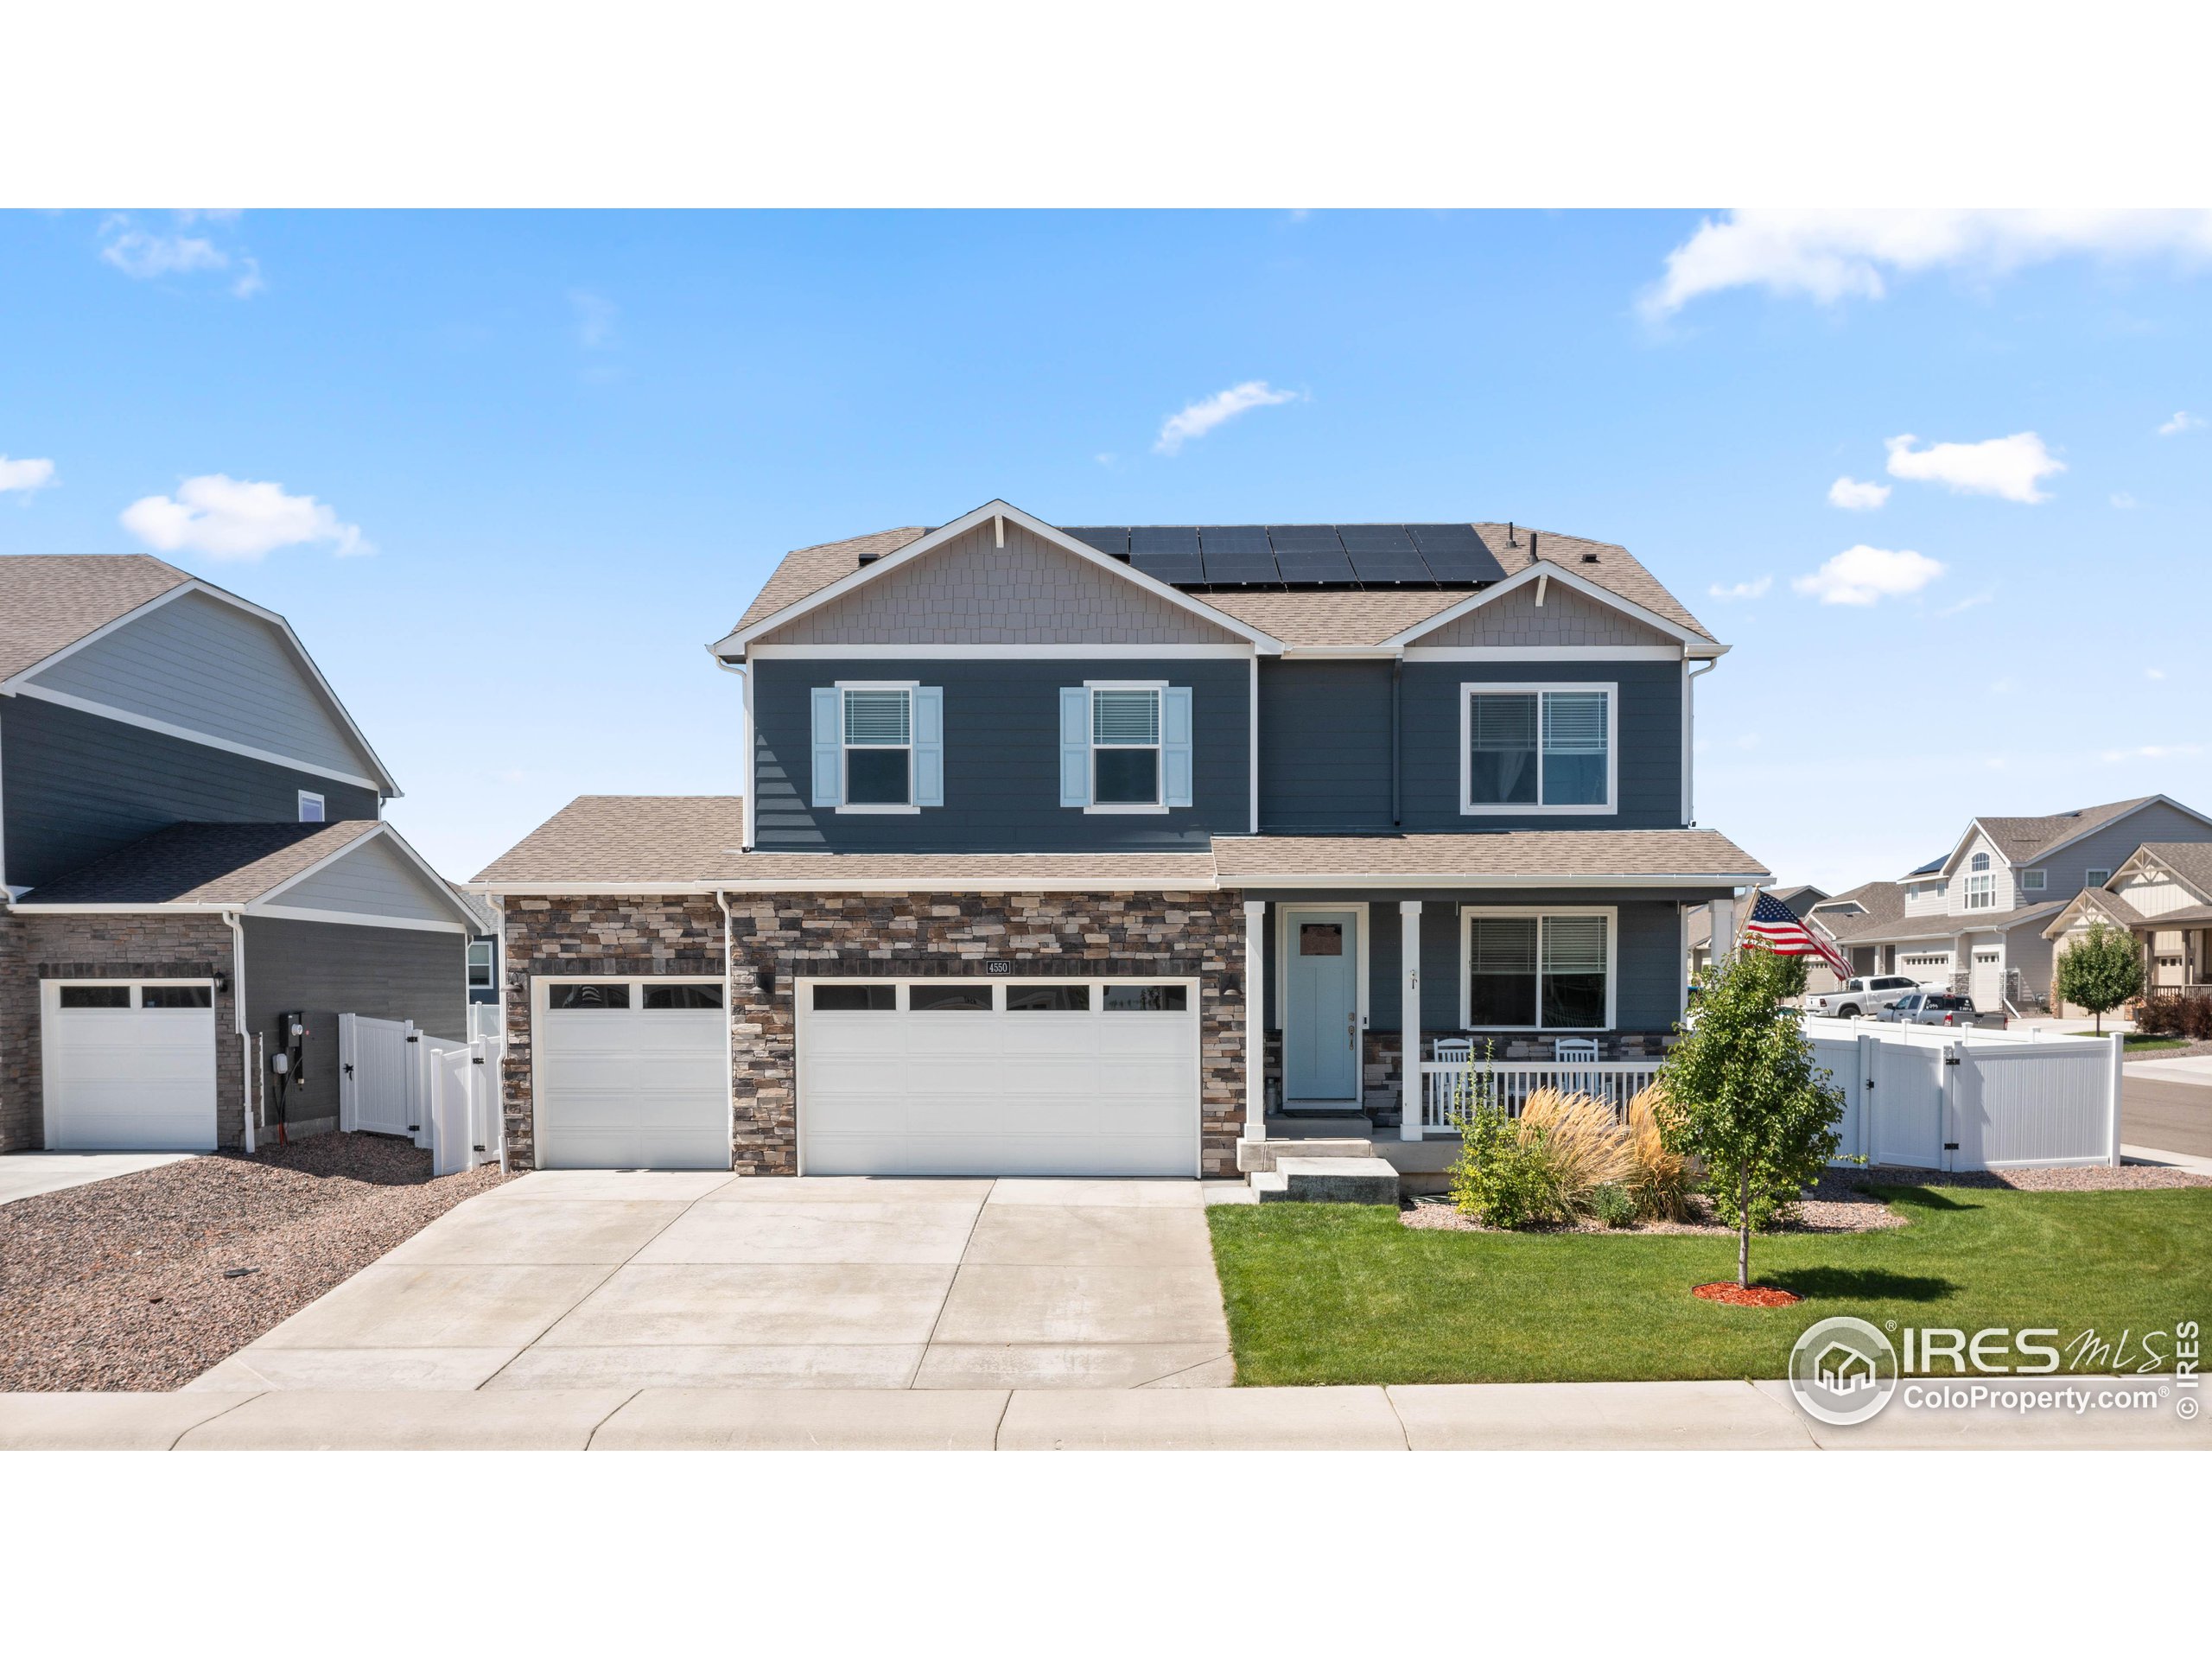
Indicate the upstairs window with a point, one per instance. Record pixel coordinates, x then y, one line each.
1125 747
2031 880
1982 890
311 807
1979 862
1537 749
878 748
2095 878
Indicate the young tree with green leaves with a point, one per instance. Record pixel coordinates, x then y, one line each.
1740 1093
2099 970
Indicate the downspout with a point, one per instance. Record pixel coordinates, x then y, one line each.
1397 687
1689 753
729 1019
246 1077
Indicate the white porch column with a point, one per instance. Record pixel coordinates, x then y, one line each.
1255 1006
1409 1018
1724 928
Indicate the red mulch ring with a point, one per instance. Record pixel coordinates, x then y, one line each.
1747 1295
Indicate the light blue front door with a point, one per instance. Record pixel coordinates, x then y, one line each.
1320 1025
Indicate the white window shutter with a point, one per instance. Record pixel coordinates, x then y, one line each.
828 745
1175 745
929 746
1075 745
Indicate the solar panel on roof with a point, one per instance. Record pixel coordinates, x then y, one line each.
1376 538
1445 535
1107 538
1233 538
1303 536
1164 538
1300 566
1241 569
1177 570
1402 564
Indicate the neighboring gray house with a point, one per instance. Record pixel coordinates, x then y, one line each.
191 845
2162 893
1978 918
1069 850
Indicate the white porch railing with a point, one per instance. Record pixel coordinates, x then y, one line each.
1446 1085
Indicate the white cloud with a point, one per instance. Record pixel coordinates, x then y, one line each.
147 254
1865 576
2154 673
1852 496
2123 500
2183 422
1742 590
26 475
1828 256
596 315
234 518
1196 420
2002 467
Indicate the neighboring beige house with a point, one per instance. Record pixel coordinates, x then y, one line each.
1978 919
2162 893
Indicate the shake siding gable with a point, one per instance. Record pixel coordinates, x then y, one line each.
1566 617
973 592
203 665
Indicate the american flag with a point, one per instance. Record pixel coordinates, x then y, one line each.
1774 925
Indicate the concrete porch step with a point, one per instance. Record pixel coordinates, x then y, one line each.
1327 1180
1254 1156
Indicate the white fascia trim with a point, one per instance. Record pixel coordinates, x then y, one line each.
121 909
1543 568
145 722
739 640
1544 654
1464 881
1441 881
994 653
346 918
1327 653
194 585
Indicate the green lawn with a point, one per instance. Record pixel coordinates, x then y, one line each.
1344 1294
2136 1043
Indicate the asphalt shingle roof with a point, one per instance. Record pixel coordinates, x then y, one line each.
2190 860
1519 853
48 601
2021 840
597 839
1334 616
201 864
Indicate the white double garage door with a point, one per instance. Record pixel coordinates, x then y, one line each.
931 1077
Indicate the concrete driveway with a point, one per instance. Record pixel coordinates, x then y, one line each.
26 1174
585 1280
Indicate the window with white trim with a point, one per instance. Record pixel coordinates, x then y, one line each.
480 964
878 745
1979 862
1981 891
1125 747
311 809
2031 880
1527 971
2095 878
1534 748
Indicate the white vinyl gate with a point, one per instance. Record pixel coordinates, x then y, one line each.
1923 1097
443 1095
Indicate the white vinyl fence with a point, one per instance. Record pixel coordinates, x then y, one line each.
443 1095
1929 1098
1919 1096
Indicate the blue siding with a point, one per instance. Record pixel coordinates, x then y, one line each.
1648 997
77 786
1001 758
1650 736
1324 747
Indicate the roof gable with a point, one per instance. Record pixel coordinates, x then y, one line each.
50 601
2025 840
1543 614
1539 579
2188 861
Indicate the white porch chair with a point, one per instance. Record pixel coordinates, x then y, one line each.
1577 1050
1452 1051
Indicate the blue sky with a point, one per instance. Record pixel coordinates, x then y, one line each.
550 456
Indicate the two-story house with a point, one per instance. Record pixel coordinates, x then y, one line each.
1078 850
195 874
1980 917
2162 895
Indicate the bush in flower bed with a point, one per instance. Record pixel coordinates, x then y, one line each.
2162 1016
1564 1160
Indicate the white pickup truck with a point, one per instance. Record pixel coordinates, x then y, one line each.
1865 994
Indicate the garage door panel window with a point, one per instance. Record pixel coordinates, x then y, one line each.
1146 999
666 997
583 999
957 997
1537 972
1047 999
95 996
176 996
856 999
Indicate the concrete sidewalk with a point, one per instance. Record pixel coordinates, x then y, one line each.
1532 1416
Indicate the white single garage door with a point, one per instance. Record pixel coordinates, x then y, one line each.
128 1066
1927 967
631 1074
1986 988
975 1077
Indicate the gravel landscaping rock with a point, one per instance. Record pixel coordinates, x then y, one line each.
2095 1178
144 1281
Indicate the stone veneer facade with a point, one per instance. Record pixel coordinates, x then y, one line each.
777 939
33 948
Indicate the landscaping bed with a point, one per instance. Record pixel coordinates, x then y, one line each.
122 1284
1340 1294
